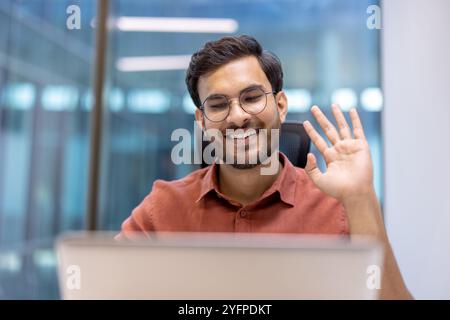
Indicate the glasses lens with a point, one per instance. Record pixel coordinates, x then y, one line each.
253 101
216 108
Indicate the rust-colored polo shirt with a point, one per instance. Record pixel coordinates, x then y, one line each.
293 204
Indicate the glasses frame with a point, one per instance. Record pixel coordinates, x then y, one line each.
229 100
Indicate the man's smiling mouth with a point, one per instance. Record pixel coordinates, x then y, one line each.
240 134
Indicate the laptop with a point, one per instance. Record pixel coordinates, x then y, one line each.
214 266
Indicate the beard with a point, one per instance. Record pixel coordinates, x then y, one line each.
263 141
245 166
254 153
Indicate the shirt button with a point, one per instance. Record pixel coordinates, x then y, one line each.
243 214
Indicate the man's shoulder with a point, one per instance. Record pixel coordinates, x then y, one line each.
188 185
173 195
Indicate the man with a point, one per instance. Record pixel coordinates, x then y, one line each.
237 85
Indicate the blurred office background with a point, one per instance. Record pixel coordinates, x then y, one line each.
47 76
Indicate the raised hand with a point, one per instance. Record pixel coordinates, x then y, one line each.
349 170
349 178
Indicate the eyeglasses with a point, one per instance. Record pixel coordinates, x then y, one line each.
217 107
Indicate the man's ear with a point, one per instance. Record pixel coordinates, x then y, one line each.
199 119
282 105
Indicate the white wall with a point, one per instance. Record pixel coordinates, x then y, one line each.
416 119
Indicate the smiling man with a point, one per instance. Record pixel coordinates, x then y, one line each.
237 87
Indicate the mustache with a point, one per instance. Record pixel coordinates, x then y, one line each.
255 127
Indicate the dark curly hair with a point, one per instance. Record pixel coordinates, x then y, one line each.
217 53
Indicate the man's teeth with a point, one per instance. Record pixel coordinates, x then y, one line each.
241 135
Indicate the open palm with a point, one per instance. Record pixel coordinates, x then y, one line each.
349 165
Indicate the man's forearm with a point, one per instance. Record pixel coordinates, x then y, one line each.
364 213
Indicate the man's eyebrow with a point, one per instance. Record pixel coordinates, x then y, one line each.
252 86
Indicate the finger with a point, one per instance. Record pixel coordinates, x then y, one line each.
358 130
315 137
327 127
311 168
344 129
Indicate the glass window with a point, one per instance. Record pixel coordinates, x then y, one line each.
45 74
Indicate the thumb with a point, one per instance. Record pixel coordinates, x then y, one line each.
311 168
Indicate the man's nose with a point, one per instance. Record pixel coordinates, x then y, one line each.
237 115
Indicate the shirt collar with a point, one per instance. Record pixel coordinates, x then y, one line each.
209 181
285 184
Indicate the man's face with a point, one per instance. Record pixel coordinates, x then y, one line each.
230 80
